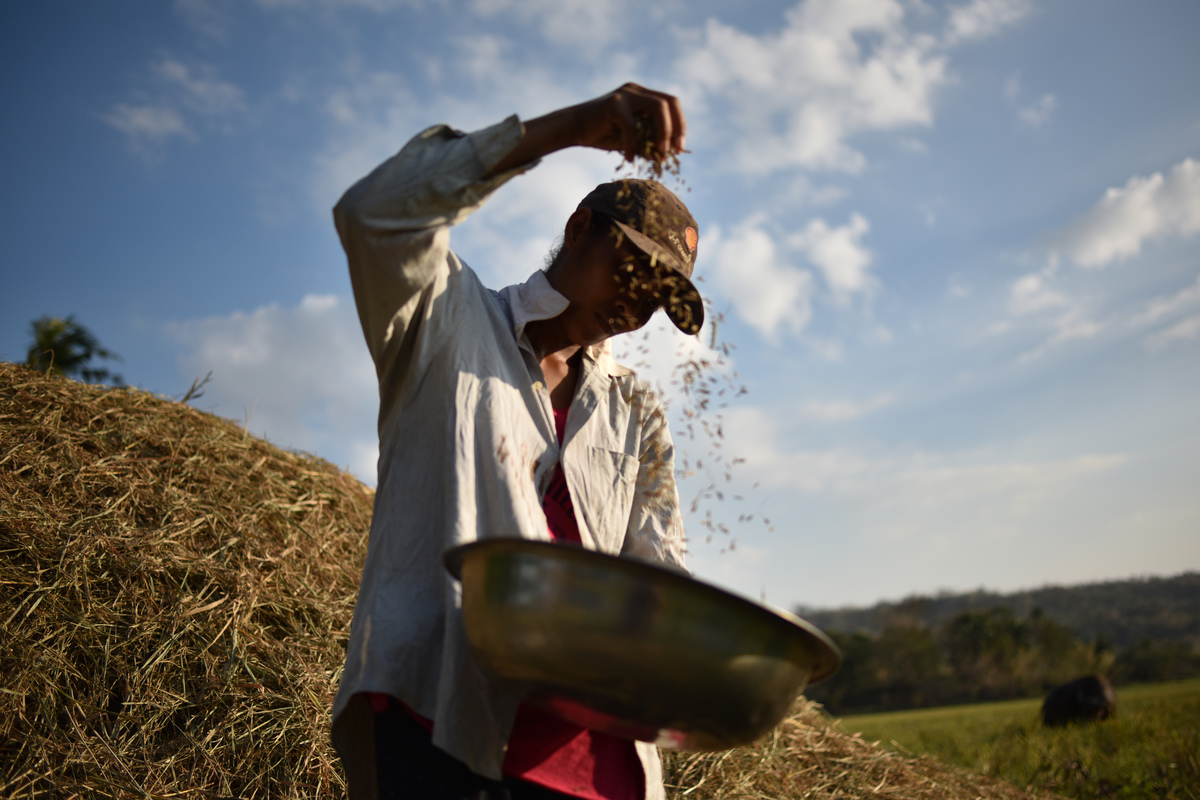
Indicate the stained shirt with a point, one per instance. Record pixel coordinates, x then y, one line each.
467 443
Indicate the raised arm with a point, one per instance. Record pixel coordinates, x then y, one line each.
393 223
609 122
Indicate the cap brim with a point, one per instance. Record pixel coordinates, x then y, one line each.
683 306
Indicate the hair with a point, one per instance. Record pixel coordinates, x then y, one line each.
553 253
600 225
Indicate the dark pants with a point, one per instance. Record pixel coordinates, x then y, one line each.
409 766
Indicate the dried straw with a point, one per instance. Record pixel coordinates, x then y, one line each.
809 756
175 598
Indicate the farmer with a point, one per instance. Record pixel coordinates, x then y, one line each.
503 414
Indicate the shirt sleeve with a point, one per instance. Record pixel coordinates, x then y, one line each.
655 530
394 223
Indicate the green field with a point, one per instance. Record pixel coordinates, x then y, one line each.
1151 749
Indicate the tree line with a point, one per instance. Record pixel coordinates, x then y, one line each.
1122 611
982 655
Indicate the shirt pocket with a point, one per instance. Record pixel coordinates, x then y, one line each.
603 491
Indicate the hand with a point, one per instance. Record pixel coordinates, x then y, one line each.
609 122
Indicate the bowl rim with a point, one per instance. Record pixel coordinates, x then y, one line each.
829 657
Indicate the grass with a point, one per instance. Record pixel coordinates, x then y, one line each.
1151 749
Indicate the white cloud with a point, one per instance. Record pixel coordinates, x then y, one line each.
374 113
844 410
1032 293
801 190
767 292
793 97
1035 295
199 88
1039 113
504 77
839 254
1070 326
1162 307
372 117
210 17
979 19
759 439
1067 319
183 92
1185 330
830 350
1144 210
587 25
957 288
378 6
300 376
147 124
1012 87
911 492
482 57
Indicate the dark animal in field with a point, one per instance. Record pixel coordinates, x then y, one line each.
1082 700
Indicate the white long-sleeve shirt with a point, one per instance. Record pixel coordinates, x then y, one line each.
467 444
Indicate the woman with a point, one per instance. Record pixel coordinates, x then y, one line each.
503 414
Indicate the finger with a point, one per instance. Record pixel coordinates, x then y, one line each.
679 125
627 124
630 101
663 128
670 122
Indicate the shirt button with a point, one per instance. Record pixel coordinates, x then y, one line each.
537 386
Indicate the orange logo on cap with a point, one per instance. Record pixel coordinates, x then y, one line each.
692 238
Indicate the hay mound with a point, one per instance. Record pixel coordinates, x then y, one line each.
175 598
809 756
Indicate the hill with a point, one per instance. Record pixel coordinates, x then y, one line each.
1122 612
175 607
980 646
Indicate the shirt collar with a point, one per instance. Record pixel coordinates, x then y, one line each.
535 300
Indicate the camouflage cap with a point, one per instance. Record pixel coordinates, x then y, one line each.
660 225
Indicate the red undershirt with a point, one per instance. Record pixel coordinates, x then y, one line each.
543 748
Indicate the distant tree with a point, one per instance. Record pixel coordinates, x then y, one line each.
1156 660
986 654
908 613
64 347
910 666
1058 656
984 648
856 685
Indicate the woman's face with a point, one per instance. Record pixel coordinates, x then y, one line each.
610 284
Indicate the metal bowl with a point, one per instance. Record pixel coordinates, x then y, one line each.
632 649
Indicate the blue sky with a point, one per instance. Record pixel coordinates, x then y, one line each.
954 245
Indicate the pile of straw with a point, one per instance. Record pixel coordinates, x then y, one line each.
808 756
175 598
